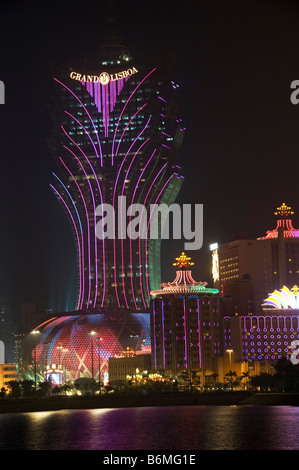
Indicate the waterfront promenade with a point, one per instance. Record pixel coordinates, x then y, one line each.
19 405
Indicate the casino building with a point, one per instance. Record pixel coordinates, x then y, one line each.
186 327
116 135
257 267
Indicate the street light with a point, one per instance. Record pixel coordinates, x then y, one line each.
92 333
230 351
35 333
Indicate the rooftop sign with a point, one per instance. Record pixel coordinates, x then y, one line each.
104 78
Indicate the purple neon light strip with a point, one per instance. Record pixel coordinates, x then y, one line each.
120 116
94 208
78 243
114 193
121 230
199 334
148 291
132 202
91 120
96 259
122 193
163 334
88 231
82 253
154 334
140 258
185 331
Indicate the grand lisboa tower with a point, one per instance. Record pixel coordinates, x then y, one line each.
116 137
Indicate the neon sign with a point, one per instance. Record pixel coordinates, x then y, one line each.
104 78
284 299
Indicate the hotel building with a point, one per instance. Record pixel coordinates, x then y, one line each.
116 135
268 263
186 326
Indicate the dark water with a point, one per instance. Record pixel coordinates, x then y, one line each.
154 428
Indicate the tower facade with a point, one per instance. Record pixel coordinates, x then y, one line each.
186 326
117 136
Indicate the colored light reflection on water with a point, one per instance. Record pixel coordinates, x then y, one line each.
154 428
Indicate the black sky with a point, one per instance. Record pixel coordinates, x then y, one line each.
237 60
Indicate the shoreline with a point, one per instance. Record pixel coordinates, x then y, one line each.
23 405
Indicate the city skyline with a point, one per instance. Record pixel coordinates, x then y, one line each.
239 153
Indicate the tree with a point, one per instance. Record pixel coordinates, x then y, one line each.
27 387
231 375
245 376
15 388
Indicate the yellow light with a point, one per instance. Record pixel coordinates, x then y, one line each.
183 261
283 210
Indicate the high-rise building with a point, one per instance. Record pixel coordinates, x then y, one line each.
186 327
118 132
268 263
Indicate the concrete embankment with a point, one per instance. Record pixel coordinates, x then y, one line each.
176 399
118 401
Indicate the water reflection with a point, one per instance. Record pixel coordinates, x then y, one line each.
154 428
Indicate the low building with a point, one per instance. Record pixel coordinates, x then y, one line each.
121 368
8 372
186 327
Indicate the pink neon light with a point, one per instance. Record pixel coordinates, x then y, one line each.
185 331
88 228
78 243
120 116
83 276
199 334
86 113
140 259
96 259
148 291
163 334
123 188
154 333
114 193
132 202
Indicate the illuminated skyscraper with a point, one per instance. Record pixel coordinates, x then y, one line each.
117 137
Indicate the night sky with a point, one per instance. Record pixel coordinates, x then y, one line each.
237 60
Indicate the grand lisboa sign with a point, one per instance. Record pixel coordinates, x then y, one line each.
104 78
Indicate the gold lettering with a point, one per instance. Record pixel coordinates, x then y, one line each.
104 77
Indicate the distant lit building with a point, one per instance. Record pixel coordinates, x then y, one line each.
7 320
127 366
260 340
8 372
186 326
270 261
